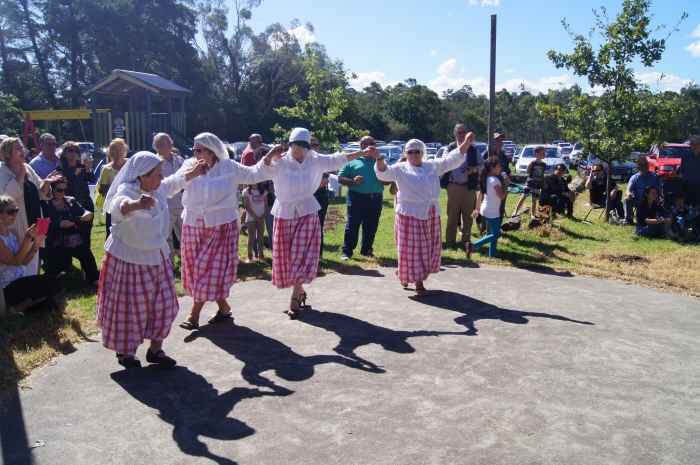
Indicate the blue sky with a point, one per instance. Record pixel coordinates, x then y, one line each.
445 43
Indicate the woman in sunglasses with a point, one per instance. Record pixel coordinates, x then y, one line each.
209 246
19 181
556 192
417 228
66 239
78 175
297 229
22 293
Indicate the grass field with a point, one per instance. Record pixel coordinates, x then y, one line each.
562 245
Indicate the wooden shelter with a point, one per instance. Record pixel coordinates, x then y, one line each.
139 88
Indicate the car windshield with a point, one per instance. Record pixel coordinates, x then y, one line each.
673 152
566 150
508 150
529 152
430 151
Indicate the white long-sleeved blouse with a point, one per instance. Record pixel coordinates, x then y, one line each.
214 195
140 236
295 183
419 186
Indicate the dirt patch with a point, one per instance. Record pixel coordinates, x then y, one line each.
333 219
621 258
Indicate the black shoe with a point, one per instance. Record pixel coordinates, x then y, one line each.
367 254
160 358
131 362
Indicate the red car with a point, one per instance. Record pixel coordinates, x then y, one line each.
666 160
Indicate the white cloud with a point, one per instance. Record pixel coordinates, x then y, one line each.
448 67
490 2
365 79
473 2
509 71
669 82
694 48
433 52
461 70
696 32
480 85
303 36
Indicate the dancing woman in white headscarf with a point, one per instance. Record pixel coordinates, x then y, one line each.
136 296
210 227
417 228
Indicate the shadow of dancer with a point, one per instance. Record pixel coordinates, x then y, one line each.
354 333
260 353
474 310
190 403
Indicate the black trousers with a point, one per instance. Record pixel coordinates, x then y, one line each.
692 192
108 224
322 198
60 260
559 203
33 287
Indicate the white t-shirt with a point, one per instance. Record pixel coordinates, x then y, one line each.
491 204
256 202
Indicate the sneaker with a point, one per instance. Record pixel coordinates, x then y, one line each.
344 257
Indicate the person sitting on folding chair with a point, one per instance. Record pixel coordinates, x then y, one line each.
596 184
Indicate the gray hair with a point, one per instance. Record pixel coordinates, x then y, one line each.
694 137
45 136
460 125
158 137
256 137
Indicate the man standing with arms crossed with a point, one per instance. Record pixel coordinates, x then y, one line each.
364 201
461 190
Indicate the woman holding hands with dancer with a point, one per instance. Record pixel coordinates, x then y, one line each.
417 228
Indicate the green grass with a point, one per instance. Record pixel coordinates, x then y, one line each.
561 245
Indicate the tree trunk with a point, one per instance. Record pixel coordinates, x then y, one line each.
50 93
5 67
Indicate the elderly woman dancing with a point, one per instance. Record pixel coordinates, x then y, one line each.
136 297
417 227
210 230
297 230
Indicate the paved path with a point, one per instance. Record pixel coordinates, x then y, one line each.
538 368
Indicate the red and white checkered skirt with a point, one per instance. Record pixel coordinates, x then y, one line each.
209 260
419 245
296 251
135 302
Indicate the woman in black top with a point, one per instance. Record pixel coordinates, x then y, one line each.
78 176
652 219
556 193
65 238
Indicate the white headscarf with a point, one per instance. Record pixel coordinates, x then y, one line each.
214 144
138 165
414 144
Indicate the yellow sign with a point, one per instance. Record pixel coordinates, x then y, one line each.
45 115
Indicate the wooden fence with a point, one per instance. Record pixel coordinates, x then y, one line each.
138 135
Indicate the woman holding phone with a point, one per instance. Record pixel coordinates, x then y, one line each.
22 293
78 175
19 181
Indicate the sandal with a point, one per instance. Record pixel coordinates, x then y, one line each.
302 302
218 316
292 313
189 324
421 291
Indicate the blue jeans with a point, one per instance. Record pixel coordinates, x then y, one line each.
491 239
651 230
363 210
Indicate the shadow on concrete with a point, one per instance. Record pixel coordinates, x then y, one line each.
13 434
474 310
260 353
355 333
188 402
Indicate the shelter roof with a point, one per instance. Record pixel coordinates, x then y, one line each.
123 82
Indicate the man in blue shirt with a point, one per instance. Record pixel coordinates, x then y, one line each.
364 201
47 161
635 188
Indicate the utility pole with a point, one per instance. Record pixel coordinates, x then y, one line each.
492 86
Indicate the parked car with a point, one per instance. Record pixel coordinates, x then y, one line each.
557 141
380 143
508 142
481 147
552 157
621 171
430 152
665 160
441 152
391 153
574 155
352 147
398 142
509 150
516 155
435 145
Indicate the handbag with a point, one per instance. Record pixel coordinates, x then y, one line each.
70 241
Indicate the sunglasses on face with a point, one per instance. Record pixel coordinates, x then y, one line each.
201 150
315 145
60 190
71 150
414 152
372 144
461 133
12 211
597 171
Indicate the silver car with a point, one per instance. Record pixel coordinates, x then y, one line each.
552 157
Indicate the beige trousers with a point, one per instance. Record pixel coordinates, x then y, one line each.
460 201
